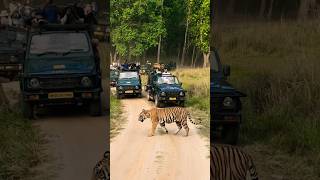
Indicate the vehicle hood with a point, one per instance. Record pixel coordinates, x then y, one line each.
62 65
128 82
170 88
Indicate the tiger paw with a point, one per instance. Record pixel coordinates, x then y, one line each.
150 135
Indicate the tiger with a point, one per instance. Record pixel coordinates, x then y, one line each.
230 163
101 170
178 115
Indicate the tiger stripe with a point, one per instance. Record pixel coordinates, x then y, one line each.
161 116
230 163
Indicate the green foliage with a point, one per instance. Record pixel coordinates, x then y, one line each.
199 19
136 25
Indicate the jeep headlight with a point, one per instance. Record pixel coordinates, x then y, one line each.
181 93
34 83
86 82
228 102
163 94
137 87
13 59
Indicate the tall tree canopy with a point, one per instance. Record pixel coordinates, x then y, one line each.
136 25
154 27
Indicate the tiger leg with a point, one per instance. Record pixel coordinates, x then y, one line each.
185 126
164 127
153 128
179 127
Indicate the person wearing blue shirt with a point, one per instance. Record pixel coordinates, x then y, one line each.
50 12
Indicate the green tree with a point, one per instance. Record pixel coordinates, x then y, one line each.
199 26
136 26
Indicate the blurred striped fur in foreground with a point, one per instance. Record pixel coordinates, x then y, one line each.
230 163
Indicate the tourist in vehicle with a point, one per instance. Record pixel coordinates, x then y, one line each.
50 12
5 18
89 15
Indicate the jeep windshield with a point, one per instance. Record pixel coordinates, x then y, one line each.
60 43
167 80
128 75
59 52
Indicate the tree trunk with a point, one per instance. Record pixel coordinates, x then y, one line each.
206 60
192 57
144 57
270 9
159 50
230 8
305 7
115 57
184 44
129 55
262 9
195 58
178 52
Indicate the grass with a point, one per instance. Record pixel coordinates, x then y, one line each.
277 66
22 146
116 119
196 83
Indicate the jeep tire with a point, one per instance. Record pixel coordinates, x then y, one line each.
230 133
96 108
157 102
27 110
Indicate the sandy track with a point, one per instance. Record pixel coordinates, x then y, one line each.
76 141
135 156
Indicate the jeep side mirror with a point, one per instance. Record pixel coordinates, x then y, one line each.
226 70
180 83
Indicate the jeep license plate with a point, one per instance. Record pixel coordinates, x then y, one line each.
60 95
129 91
172 99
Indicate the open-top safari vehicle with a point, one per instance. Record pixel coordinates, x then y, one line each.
12 49
129 83
62 66
225 103
164 88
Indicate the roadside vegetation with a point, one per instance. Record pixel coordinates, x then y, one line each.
116 119
21 146
277 65
196 81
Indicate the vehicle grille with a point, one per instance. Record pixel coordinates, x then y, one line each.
59 83
172 94
129 87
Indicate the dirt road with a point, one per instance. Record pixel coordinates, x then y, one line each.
76 141
134 156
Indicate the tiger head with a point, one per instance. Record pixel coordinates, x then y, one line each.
144 115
